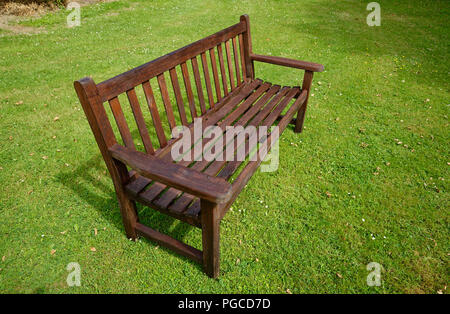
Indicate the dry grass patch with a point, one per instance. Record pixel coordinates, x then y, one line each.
26 9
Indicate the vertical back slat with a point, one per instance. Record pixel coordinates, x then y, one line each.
121 123
207 79
230 65
139 117
178 97
154 112
198 84
241 49
187 85
166 100
236 61
212 56
222 69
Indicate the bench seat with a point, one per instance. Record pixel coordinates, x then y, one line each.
256 103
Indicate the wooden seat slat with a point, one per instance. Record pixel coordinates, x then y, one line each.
224 101
137 185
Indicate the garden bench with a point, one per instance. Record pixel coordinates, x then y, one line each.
224 92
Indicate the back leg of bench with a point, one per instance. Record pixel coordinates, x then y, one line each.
210 238
307 80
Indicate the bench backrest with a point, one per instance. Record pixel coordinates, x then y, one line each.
225 63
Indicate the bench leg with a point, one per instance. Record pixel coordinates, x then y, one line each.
129 215
126 205
210 238
307 80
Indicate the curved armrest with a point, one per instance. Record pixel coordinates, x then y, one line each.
308 66
213 189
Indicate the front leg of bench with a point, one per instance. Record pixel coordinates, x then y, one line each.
307 80
210 237
127 206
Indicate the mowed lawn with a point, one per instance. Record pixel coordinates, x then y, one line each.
367 180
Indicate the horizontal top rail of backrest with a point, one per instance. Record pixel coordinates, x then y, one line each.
128 80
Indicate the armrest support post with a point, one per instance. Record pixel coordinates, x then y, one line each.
307 81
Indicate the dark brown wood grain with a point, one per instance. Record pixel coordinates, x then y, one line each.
304 65
195 191
210 238
230 65
139 117
212 56
166 100
188 87
121 123
247 47
196 183
178 96
242 56
198 85
169 242
236 60
222 69
101 128
123 82
307 80
207 79
154 113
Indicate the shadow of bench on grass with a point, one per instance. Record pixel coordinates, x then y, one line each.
89 183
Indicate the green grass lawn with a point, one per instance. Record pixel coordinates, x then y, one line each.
346 193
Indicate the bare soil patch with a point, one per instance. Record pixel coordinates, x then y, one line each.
12 12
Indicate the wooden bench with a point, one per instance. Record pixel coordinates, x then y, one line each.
223 92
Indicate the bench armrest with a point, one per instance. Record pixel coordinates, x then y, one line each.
210 188
308 66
